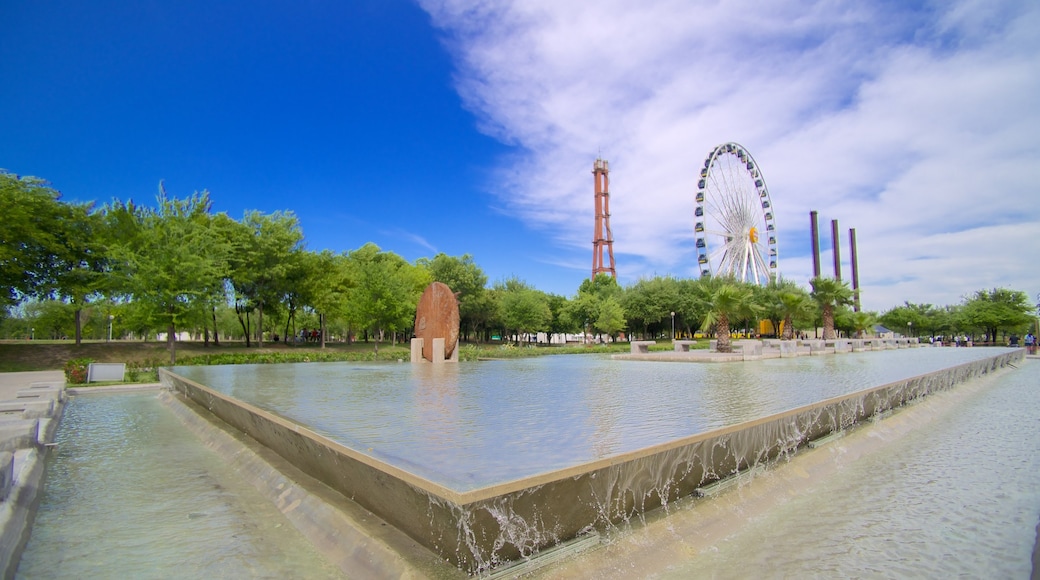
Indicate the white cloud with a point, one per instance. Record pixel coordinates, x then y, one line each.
915 126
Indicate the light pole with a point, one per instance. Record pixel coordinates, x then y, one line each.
32 334
673 326
909 328
111 317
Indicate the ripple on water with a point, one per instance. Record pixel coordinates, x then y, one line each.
130 493
468 425
958 498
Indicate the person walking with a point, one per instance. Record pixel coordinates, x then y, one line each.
1030 343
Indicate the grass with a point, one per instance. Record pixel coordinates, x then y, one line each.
41 355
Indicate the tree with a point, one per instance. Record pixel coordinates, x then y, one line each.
611 320
862 322
795 305
725 300
524 309
783 302
169 260
999 310
828 294
324 286
31 234
79 262
584 309
265 248
560 323
384 290
51 319
648 304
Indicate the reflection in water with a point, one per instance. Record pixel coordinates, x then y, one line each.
488 422
130 493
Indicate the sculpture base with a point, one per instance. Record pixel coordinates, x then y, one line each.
438 351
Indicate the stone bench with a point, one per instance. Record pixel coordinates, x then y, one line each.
683 345
641 346
838 344
788 348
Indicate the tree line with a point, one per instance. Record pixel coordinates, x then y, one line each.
69 269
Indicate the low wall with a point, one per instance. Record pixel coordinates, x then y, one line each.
480 529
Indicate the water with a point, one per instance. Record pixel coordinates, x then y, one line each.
960 498
471 425
130 493
947 488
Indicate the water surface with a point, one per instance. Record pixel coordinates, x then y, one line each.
959 498
131 493
470 425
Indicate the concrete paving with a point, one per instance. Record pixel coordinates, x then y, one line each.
30 409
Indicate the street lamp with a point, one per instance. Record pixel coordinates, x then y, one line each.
909 327
673 326
111 317
32 334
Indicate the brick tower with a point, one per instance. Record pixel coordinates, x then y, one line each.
602 238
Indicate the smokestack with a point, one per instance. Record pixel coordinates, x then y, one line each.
837 250
855 270
815 244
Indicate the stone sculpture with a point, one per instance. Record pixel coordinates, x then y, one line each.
436 320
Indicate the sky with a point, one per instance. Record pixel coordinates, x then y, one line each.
471 127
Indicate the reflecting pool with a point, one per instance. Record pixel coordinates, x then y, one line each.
471 425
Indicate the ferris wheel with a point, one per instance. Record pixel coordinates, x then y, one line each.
734 225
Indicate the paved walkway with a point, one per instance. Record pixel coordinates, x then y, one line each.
11 383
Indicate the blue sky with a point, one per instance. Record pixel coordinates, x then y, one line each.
471 127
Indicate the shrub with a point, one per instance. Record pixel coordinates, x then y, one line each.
76 370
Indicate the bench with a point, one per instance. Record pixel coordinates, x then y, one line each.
642 346
683 345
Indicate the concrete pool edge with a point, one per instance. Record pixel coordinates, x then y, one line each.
478 530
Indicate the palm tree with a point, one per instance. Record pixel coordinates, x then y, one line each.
724 299
829 293
861 321
795 302
782 301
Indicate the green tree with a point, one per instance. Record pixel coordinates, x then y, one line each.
31 233
862 322
324 286
725 300
997 311
523 309
648 304
169 261
796 306
783 302
384 290
829 294
611 320
79 263
584 309
560 323
50 319
265 250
